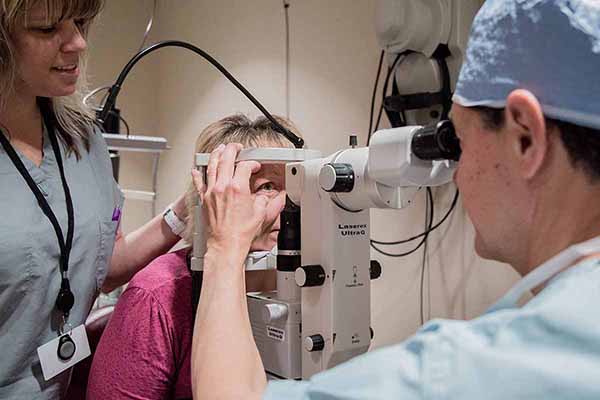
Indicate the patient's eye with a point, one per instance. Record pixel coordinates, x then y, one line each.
267 187
45 29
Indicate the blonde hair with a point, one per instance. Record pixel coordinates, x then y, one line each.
74 120
234 129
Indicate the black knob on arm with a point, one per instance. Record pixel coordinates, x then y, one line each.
314 343
310 275
337 178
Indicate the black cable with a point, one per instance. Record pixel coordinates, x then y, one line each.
126 124
424 235
428 222
369 132
385 253
385 86
422 277
446 89
286 6
396 91
116 88
437 225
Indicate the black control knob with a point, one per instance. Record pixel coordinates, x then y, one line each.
314 343
337 178
375 269
310 275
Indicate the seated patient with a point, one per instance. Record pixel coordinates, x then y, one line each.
144 353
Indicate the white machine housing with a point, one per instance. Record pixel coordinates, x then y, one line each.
335 232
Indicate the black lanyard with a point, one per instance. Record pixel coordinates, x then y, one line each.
65 298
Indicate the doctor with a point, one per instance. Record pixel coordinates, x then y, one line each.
527 112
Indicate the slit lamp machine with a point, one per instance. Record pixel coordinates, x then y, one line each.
319 316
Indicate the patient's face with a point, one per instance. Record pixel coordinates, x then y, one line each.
269 181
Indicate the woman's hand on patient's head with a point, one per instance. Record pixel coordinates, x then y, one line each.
233 214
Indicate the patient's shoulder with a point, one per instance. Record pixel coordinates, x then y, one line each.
164 273
164 286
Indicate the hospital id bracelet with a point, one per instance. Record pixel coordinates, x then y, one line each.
177 225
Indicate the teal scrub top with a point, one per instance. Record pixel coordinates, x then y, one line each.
29 257
547 349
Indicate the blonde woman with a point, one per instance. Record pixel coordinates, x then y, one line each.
59 205
145 350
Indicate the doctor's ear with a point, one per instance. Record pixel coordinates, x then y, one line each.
526 127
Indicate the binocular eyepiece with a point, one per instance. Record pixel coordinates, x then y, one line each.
436 142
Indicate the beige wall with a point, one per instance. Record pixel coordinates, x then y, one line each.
334 57
114 39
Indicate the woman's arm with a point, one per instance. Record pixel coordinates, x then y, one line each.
225 361
135 250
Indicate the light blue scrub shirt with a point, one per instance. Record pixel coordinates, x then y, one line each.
29 254
547 349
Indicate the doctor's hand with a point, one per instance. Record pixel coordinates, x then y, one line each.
232 213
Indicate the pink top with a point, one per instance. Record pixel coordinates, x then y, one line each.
145 350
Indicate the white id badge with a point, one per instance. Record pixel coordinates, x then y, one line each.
52 364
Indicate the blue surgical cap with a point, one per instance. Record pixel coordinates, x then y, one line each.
549 47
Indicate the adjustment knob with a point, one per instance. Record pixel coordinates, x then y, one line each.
314 343
310 275
337 178
375 269
273 312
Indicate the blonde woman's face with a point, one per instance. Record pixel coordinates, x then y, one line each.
48 54
269 181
